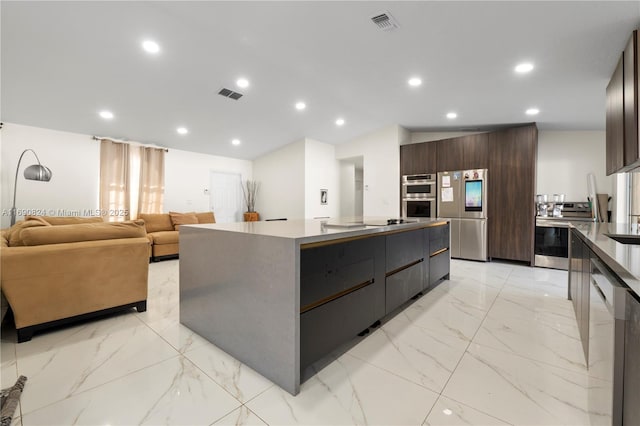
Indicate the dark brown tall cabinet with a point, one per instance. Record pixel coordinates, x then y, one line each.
463 153
623 97
511 183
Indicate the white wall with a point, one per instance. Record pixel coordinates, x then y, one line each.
381 168
281 175
564 160
321 172
74 160
186 176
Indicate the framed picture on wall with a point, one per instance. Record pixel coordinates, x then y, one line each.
323 196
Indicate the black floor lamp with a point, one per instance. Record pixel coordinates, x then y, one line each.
33 172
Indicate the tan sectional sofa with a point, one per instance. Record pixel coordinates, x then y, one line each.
162 230
55 273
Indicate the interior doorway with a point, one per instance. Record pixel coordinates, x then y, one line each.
225 196
351 186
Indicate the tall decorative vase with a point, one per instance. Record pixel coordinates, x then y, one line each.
251 217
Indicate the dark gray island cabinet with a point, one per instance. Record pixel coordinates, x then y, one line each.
280 296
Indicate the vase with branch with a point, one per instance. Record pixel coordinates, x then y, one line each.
250 191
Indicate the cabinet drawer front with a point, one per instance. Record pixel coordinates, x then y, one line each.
328 270
438 238
438 267
404 248
403 285
326 327
314 288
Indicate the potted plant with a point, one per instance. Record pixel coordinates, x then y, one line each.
250 190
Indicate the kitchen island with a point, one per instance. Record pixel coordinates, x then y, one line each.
281 295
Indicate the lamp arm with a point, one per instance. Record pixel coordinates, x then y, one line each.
15 184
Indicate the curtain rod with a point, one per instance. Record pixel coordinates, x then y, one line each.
99 138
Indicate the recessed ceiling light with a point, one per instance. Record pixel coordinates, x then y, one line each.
300 106
524 67
415 81
340 122
242 82
451 115
532 111
108 115
447 412
150 46
182 130
235 142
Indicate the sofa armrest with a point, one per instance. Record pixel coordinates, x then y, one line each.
51 282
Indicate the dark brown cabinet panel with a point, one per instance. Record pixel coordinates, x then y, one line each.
615 121
630 74
450 154
511 183
475 151
623 142
418 158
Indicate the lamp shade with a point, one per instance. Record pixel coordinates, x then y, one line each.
38 172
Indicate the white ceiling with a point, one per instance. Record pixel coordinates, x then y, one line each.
63 62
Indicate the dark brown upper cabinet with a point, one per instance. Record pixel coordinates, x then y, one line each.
450 154
417 158
623 151
630 63
475 152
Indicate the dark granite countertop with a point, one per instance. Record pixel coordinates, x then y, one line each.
623 259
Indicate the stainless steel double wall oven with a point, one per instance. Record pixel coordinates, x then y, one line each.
419 195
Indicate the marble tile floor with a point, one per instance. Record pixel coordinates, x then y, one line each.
496 344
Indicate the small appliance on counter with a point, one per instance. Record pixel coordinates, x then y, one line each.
462 198
552 231
546 208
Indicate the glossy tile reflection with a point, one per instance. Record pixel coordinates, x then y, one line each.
497 344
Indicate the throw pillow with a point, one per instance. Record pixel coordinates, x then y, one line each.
14 234
206 217
155 222
182 219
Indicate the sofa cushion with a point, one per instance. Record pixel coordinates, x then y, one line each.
68 220
206 217
165 237
36 236
155 222
182 219
14 234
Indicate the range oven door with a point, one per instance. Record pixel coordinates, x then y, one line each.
423 207
552 246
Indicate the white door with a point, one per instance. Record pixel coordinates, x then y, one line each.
226 196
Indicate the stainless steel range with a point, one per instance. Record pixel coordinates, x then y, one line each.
552 234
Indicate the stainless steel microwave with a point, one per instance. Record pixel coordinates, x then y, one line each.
419 186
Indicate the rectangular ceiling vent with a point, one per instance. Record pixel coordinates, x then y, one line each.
230 94
384 21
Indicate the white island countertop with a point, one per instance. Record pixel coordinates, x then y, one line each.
623 259
306 231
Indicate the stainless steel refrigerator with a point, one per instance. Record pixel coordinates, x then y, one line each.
462 198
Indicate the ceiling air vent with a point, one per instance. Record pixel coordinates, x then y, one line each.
384 21
230 94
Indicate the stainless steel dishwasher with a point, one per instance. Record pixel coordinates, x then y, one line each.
606 360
